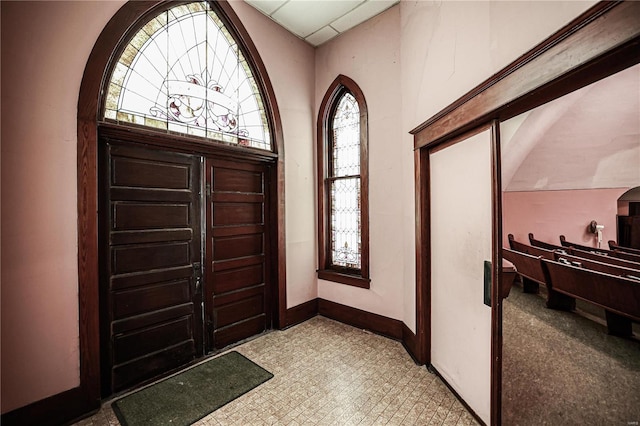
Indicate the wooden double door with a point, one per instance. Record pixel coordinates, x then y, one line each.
184 259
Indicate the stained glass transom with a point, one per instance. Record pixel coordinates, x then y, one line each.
184 72
344 185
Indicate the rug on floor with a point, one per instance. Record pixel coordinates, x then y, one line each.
191 395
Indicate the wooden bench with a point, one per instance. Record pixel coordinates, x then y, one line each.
615 247
619 296
528 267
526 248
542 244
612 253
598 257
594 265
532 276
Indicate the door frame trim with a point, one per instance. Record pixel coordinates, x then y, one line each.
91 95
600 42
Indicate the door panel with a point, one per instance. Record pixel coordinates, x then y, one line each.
150 298
461 231
237 289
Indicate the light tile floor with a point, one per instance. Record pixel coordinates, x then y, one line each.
328 373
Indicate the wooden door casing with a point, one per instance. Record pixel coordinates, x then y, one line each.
237 291
151 263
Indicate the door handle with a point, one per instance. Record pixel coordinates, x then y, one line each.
197 276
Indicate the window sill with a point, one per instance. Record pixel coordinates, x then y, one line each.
348 279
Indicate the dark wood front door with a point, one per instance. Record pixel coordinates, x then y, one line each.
237 290
151 298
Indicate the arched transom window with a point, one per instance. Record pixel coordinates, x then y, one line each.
184 72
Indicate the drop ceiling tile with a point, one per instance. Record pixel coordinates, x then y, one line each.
304 18
266 6
322 35
360 14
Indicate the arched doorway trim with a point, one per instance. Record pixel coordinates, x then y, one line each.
107 47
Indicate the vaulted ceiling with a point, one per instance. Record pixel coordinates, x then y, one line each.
587 139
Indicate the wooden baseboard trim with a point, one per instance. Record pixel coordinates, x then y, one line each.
362 319
301 313
62 408
432 369
410 343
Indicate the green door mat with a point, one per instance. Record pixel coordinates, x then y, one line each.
193 394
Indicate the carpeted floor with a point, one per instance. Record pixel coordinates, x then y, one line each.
562 368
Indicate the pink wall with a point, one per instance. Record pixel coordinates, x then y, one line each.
44 50
290 65
370 55
45 46
549 214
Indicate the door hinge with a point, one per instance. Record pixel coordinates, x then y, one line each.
208 190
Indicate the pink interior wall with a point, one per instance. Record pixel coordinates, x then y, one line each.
549 214
45 46
370 55
290 65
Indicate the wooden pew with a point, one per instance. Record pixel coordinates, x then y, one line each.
565 243
613 253
619 296
528 267
542 244
602 258
526 248
595 265
533 276
615 247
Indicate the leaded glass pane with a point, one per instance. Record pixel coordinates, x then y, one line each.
346 138
344 184
345 222
184 72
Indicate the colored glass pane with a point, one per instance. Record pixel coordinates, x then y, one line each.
184 72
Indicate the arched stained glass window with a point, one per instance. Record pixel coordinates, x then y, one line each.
184 72
344 184
343 199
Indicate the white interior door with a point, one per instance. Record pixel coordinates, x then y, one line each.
461 227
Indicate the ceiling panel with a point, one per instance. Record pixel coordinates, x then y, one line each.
360 14
266 6
303 18
317 21
322 35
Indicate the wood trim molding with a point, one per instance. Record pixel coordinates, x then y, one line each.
61 408
302 312
496 276
603 40
378 324
410 343
422 350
